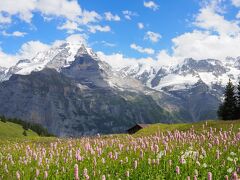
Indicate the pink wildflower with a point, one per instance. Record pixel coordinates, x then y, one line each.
209 176
18 176
76 172
177 170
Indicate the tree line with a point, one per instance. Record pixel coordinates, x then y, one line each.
229 109
41 131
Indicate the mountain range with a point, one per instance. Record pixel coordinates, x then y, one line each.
72 92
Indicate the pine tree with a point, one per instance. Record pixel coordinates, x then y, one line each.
24 133
227 110
238 102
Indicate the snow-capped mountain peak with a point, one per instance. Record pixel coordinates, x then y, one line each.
56 57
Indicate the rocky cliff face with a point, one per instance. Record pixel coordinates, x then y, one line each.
72 92
83 97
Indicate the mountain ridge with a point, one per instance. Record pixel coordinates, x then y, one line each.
70 90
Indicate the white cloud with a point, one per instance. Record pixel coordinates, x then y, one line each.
29 49
77 38
140 25
236 3
238 15
5 19
110 17
15 33
152 36
129 14
208 19
108 44
202 45
95 28
119 61
65 8
141 49
69 10
70 26
23 9
151 4
6 60
89 17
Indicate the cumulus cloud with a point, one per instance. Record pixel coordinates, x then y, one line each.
29 49
129 14
141 49
25 9
6 60
95 28
110 17
152 36
15 33
70 11
70 26
236 3
140 25
202 45
208 19
151 4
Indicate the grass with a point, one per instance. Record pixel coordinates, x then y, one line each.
218 124
155 152
12 130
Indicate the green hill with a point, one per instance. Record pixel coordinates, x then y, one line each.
12 130
218 124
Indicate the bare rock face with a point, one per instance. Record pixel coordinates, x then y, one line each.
72 92
81 97
68 108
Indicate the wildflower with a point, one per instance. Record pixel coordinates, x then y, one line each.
238 170
182 160
127 173
37 172
229 159
45 175
76 172
209 176
160 154
230 170
226 177
218 154
135 164
204 165
18 176
196 172
170 162
103 177
177 170
103 161
234 176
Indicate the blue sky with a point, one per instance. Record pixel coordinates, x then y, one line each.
163 30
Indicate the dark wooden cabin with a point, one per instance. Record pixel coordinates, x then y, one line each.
136 128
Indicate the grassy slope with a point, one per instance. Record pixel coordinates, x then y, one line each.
12 130
151 129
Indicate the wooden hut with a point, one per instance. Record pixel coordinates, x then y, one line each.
136 128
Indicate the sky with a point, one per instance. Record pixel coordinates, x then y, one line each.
122 31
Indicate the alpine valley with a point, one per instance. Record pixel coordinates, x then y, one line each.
72 92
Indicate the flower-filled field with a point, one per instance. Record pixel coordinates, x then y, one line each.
200 151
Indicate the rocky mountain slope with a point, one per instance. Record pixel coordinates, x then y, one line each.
76 95
72 92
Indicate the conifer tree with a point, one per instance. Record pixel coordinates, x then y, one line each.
238 102
227 110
